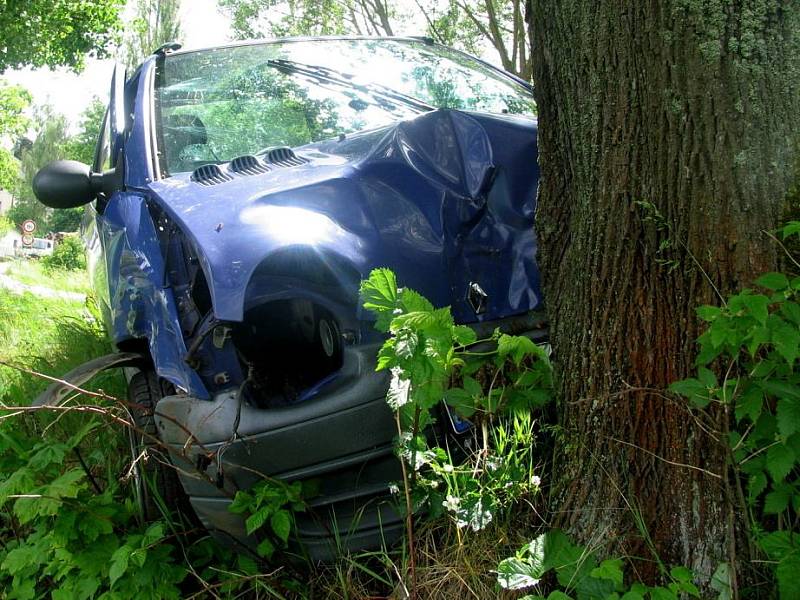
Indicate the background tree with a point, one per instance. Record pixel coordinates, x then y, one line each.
665 151
56 32
49 144
14 100
81 146
156 23
465 24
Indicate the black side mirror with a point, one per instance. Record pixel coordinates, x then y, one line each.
69 183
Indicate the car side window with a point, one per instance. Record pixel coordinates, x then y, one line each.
102 154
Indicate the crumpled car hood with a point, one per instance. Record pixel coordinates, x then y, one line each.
446 200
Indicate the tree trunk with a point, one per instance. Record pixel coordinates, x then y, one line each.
664 138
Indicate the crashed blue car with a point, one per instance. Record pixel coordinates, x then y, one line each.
238 196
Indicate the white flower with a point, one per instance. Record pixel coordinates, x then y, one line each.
448 468
397 311
536 480
393 488
434 484
452 503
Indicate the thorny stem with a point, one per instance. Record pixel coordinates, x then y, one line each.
409 517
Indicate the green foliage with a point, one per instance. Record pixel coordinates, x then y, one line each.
156 23
270 506
50 144
580 576
56 33
14 100
431 359
81 146
68 255
754 339
467 25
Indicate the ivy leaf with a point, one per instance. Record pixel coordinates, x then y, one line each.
773 281
662 593
788 416
780 460
281 523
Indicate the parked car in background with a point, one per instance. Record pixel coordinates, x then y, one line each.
238 196
39 248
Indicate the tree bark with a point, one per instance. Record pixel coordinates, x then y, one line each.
665 134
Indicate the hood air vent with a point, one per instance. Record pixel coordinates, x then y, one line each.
284 157
210 175
248 165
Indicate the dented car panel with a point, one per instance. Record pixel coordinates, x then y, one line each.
238 274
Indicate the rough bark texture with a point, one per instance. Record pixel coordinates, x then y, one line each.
665 133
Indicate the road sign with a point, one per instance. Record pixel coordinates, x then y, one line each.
28 226
27 239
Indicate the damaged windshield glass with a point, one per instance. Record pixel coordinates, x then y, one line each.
214 105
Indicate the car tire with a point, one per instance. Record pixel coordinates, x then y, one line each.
155 481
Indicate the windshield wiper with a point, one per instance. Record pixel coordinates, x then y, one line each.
329 75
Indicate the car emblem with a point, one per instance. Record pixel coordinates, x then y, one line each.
477 298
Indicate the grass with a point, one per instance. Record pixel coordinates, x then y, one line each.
49 336
33 272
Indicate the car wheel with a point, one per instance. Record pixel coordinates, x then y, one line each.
156 484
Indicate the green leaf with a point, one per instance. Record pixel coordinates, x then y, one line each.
610 570
379 294
694 390
631 595
791 310
787 576
557 595
707 377
756 485
256 521
515 346
757 306
413 301
777 501
780 544
281 523
786 339
788 416
749 404
265 548
780 460
708 313
525 569
773 281
406 343
662 593
463 335
119 564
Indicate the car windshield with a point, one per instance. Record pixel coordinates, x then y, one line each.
215 105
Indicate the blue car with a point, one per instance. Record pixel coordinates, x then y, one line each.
238 196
